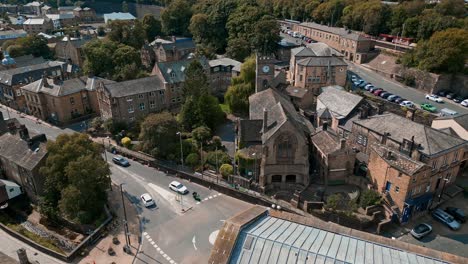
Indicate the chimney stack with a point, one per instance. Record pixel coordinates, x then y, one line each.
22 256
342 143
389 155
363 112
325 126
23 132
265 120
384 138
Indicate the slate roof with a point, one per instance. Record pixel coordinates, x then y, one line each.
224 62
302 52
399 161
323 50
339 102
250 130
274 240
21 75
321 61
63 88
137 86
174 71
280 110
16 150
432 140
179 44
297 92
462 120
335 30
326 142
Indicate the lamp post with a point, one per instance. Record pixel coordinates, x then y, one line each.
127 236
181 149
443 188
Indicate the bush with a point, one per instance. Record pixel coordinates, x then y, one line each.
368 198
220 156
226 170
334 201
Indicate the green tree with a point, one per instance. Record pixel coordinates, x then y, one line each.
176 18
368 16
201 134
445 51
266 36
74 165
226 170
237 95
158 135
196 81
368 197
238 49
193 160
334 201
124 7
216 158
455 8
329 12
129 33
152 27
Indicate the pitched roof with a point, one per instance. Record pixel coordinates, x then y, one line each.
280 110
323 50
21 75
35 21
224 62
348 34
250 130
17 150
62 88
302 52
180 44
325 141
174 71
321 61
118 16
339 102
137 86
432 140
397 160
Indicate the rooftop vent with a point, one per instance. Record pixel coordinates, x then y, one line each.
248 243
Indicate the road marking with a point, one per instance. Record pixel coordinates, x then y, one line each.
210 197
198 202
165 255
144 233
158 249
152 243
168 258
172 261
194 241
206 199
150 240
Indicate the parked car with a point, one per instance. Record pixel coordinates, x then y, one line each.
442 93
378 92
373 89
178 187
354 78
363 83
429 107
385 95
457 213
464 103
434 98
147 200
368 86
399 100
357 83
407 104
421 230
446 219
451 95
393 97
458 99
121 161
447 112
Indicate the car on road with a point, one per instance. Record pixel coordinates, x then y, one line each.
442 93
385 95
373 89
421 230
434 98
407 104
464 103
446 219
399 100
121 161
447 112
393 97
378 92
429 107
451 95
147 200
368 86
178 187
457 213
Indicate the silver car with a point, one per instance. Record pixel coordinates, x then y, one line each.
421 230
446 219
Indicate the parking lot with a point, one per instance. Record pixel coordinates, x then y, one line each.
442 238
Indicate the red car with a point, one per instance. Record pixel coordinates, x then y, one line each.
378 92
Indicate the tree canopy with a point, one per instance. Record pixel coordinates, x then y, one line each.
34 45
76 179
237 95
176 18
158 135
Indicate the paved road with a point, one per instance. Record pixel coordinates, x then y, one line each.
394 87
168 233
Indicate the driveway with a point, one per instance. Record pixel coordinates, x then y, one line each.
442 238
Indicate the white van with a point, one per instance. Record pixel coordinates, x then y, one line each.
296 34
447 112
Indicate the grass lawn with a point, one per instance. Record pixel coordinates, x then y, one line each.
225 108
46 242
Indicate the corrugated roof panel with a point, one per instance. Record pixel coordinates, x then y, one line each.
311 258
262 226
293 255
412 258
343 249
295 235
245 257
267 233
304 236
260 243
329 260
320 259
369 255
266 252
284 254
310 240
278 232
275 250
351 255
360 252
287 233
422 260
326 244
395 254
301 259
378 254
404 257
318 242
332 252
386 255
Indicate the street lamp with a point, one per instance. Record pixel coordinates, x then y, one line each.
443 188
181 149
127 236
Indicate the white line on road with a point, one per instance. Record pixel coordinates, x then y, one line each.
194 241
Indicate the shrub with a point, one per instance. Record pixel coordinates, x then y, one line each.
226 170
368 198
193 159
333 201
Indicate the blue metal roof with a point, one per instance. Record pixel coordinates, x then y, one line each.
273 240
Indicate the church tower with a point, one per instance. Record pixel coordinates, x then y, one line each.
264 72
